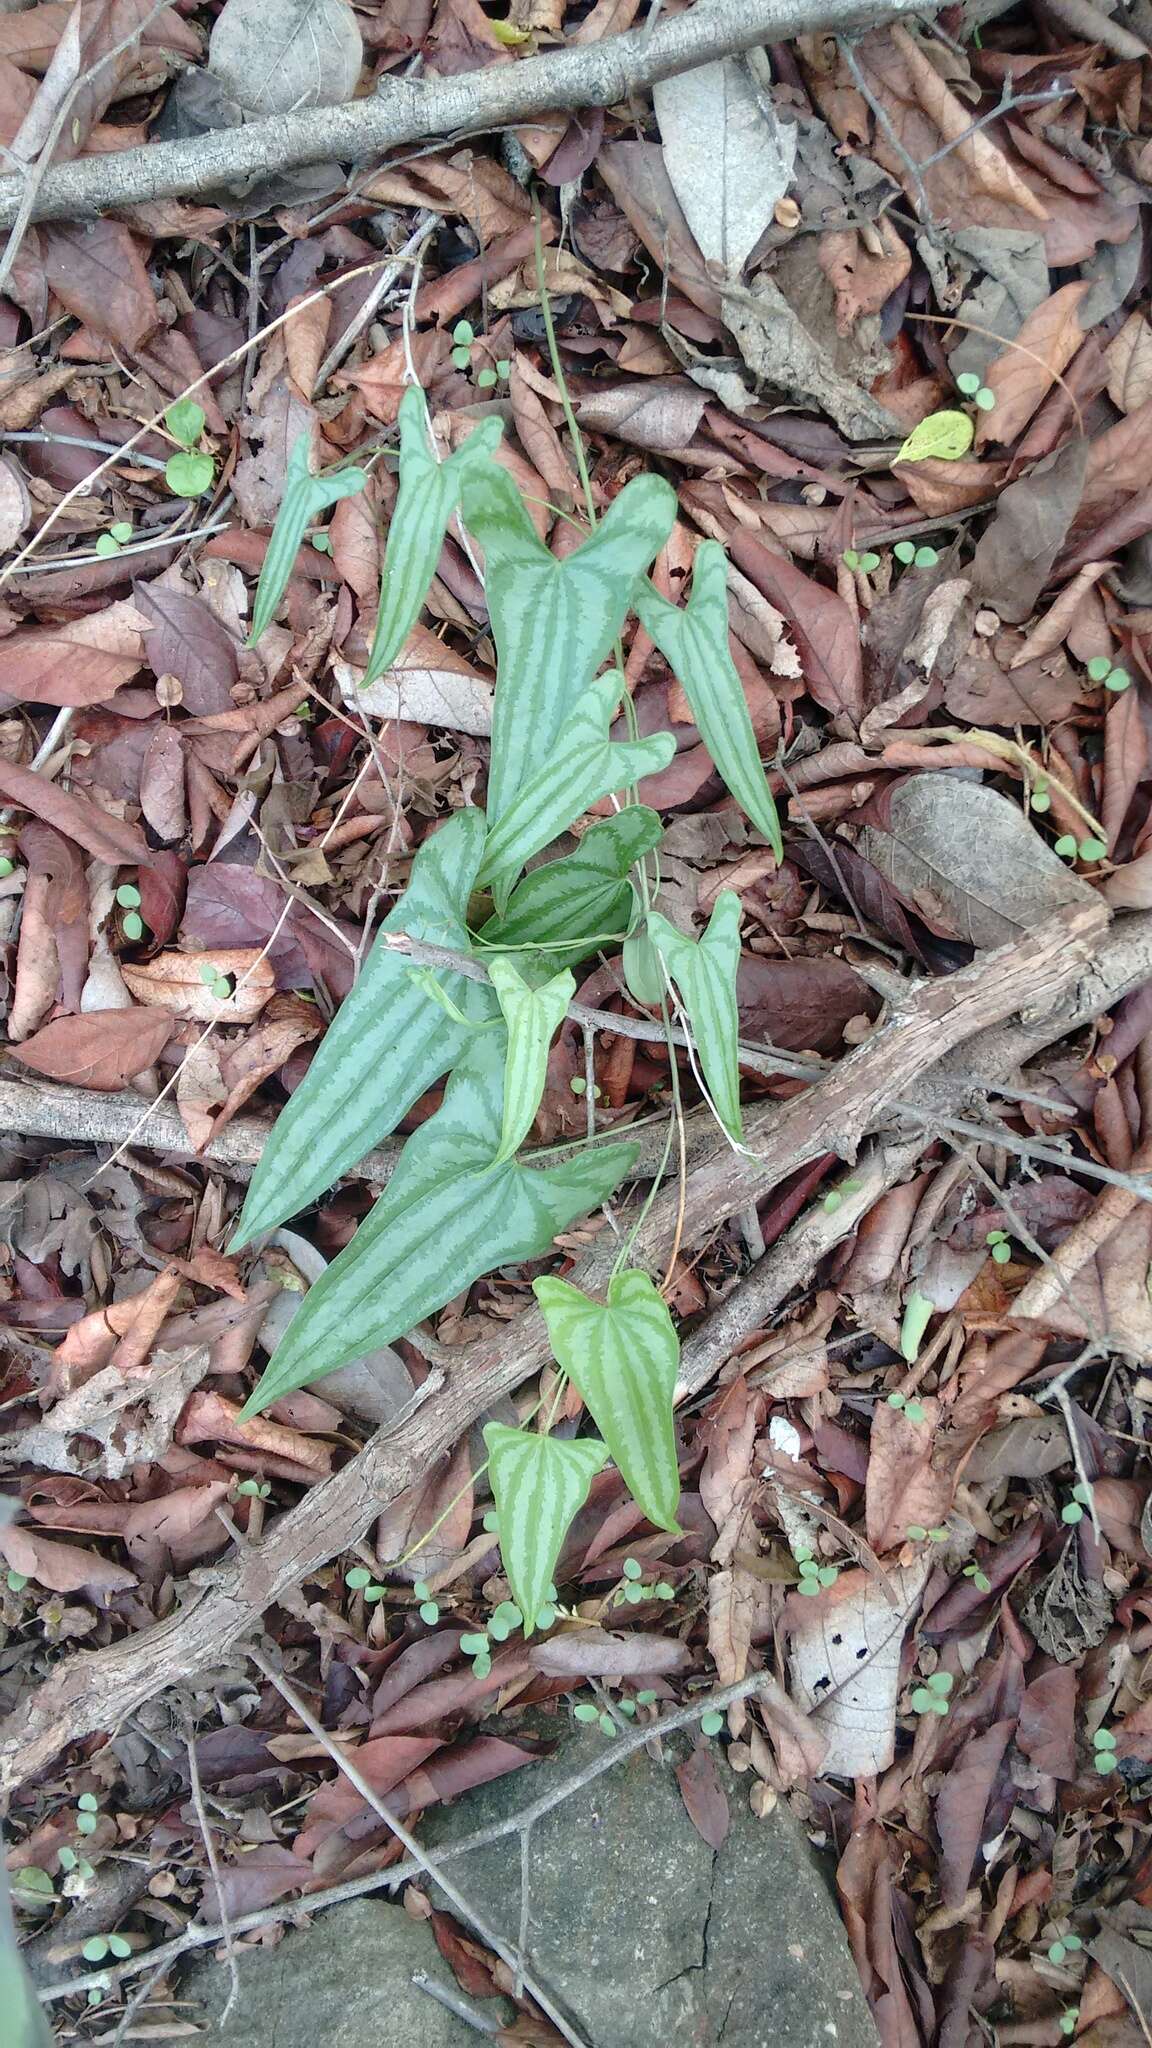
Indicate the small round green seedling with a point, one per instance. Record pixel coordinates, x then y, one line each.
1064 1946
969 383
711 1723
7 867
189 476
980 1580
15 1581
585 1711
1105 1759
1039 798
505 1619
932 1696
1073 1510
185 421
632 1568
863 563
1069 2019
833 1200
1093 849
361 1581
1117 680
998 1245
87 1813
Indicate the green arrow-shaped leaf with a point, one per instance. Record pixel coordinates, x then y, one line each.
305 497
623 1355
584 900
694 639
429 494
553 621
388 1042
583 764
532 1015
539 1484
704 973
447 1215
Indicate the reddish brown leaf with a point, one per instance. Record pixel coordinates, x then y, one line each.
705 1800
187 640
96 271
824 629
1022 374
77 817
62 1567
99 1049
83 661
961 1805
1046 1731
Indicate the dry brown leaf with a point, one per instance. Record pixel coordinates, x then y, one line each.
1024 372
101 1049
986 163
82 661
306 340
62 1567
1129 359
846 1646
863 277
209 1418
132 1420
94 828
906 1483
176 982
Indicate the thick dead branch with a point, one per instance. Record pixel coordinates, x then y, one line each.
405 110
1054 981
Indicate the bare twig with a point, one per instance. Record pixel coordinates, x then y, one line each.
209 1841
350 1770
407 110
200 1935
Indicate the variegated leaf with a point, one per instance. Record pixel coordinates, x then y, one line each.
447 1215
694 640
623 1355
389 1040
429 494
532 1016
583 764
704 973
554 621
539 1484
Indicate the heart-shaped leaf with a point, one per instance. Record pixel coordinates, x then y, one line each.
429 494
694 639
623 1355
539 1484
583 764
553 621
704 973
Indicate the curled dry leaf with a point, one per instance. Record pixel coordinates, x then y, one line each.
81 661
176 982
428 685
209 1418
61 1567
110 838
595 1653
101 1049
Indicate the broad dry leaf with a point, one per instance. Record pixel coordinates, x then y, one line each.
968 860
209 1418
82 661
985 162
110 838
96 270
727 154
429 685
846 1648
101 1049
61 1567
862 277
1025 371
907 1481
176 982
131 1420
1129 359
15 506
277 56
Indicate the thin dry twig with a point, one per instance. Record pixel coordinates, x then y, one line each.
408 110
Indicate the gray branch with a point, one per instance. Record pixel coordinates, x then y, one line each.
403 111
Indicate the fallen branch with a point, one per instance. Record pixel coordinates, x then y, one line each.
403 111
1057 979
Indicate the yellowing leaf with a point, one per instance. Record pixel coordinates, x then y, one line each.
946 436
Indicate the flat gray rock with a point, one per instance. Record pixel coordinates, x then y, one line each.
346 1980
644 1935
647 1937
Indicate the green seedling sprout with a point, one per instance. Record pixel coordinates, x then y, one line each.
1073 1510
1105 1759
911 556
971 386
932 1696
999 1246
361 1581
